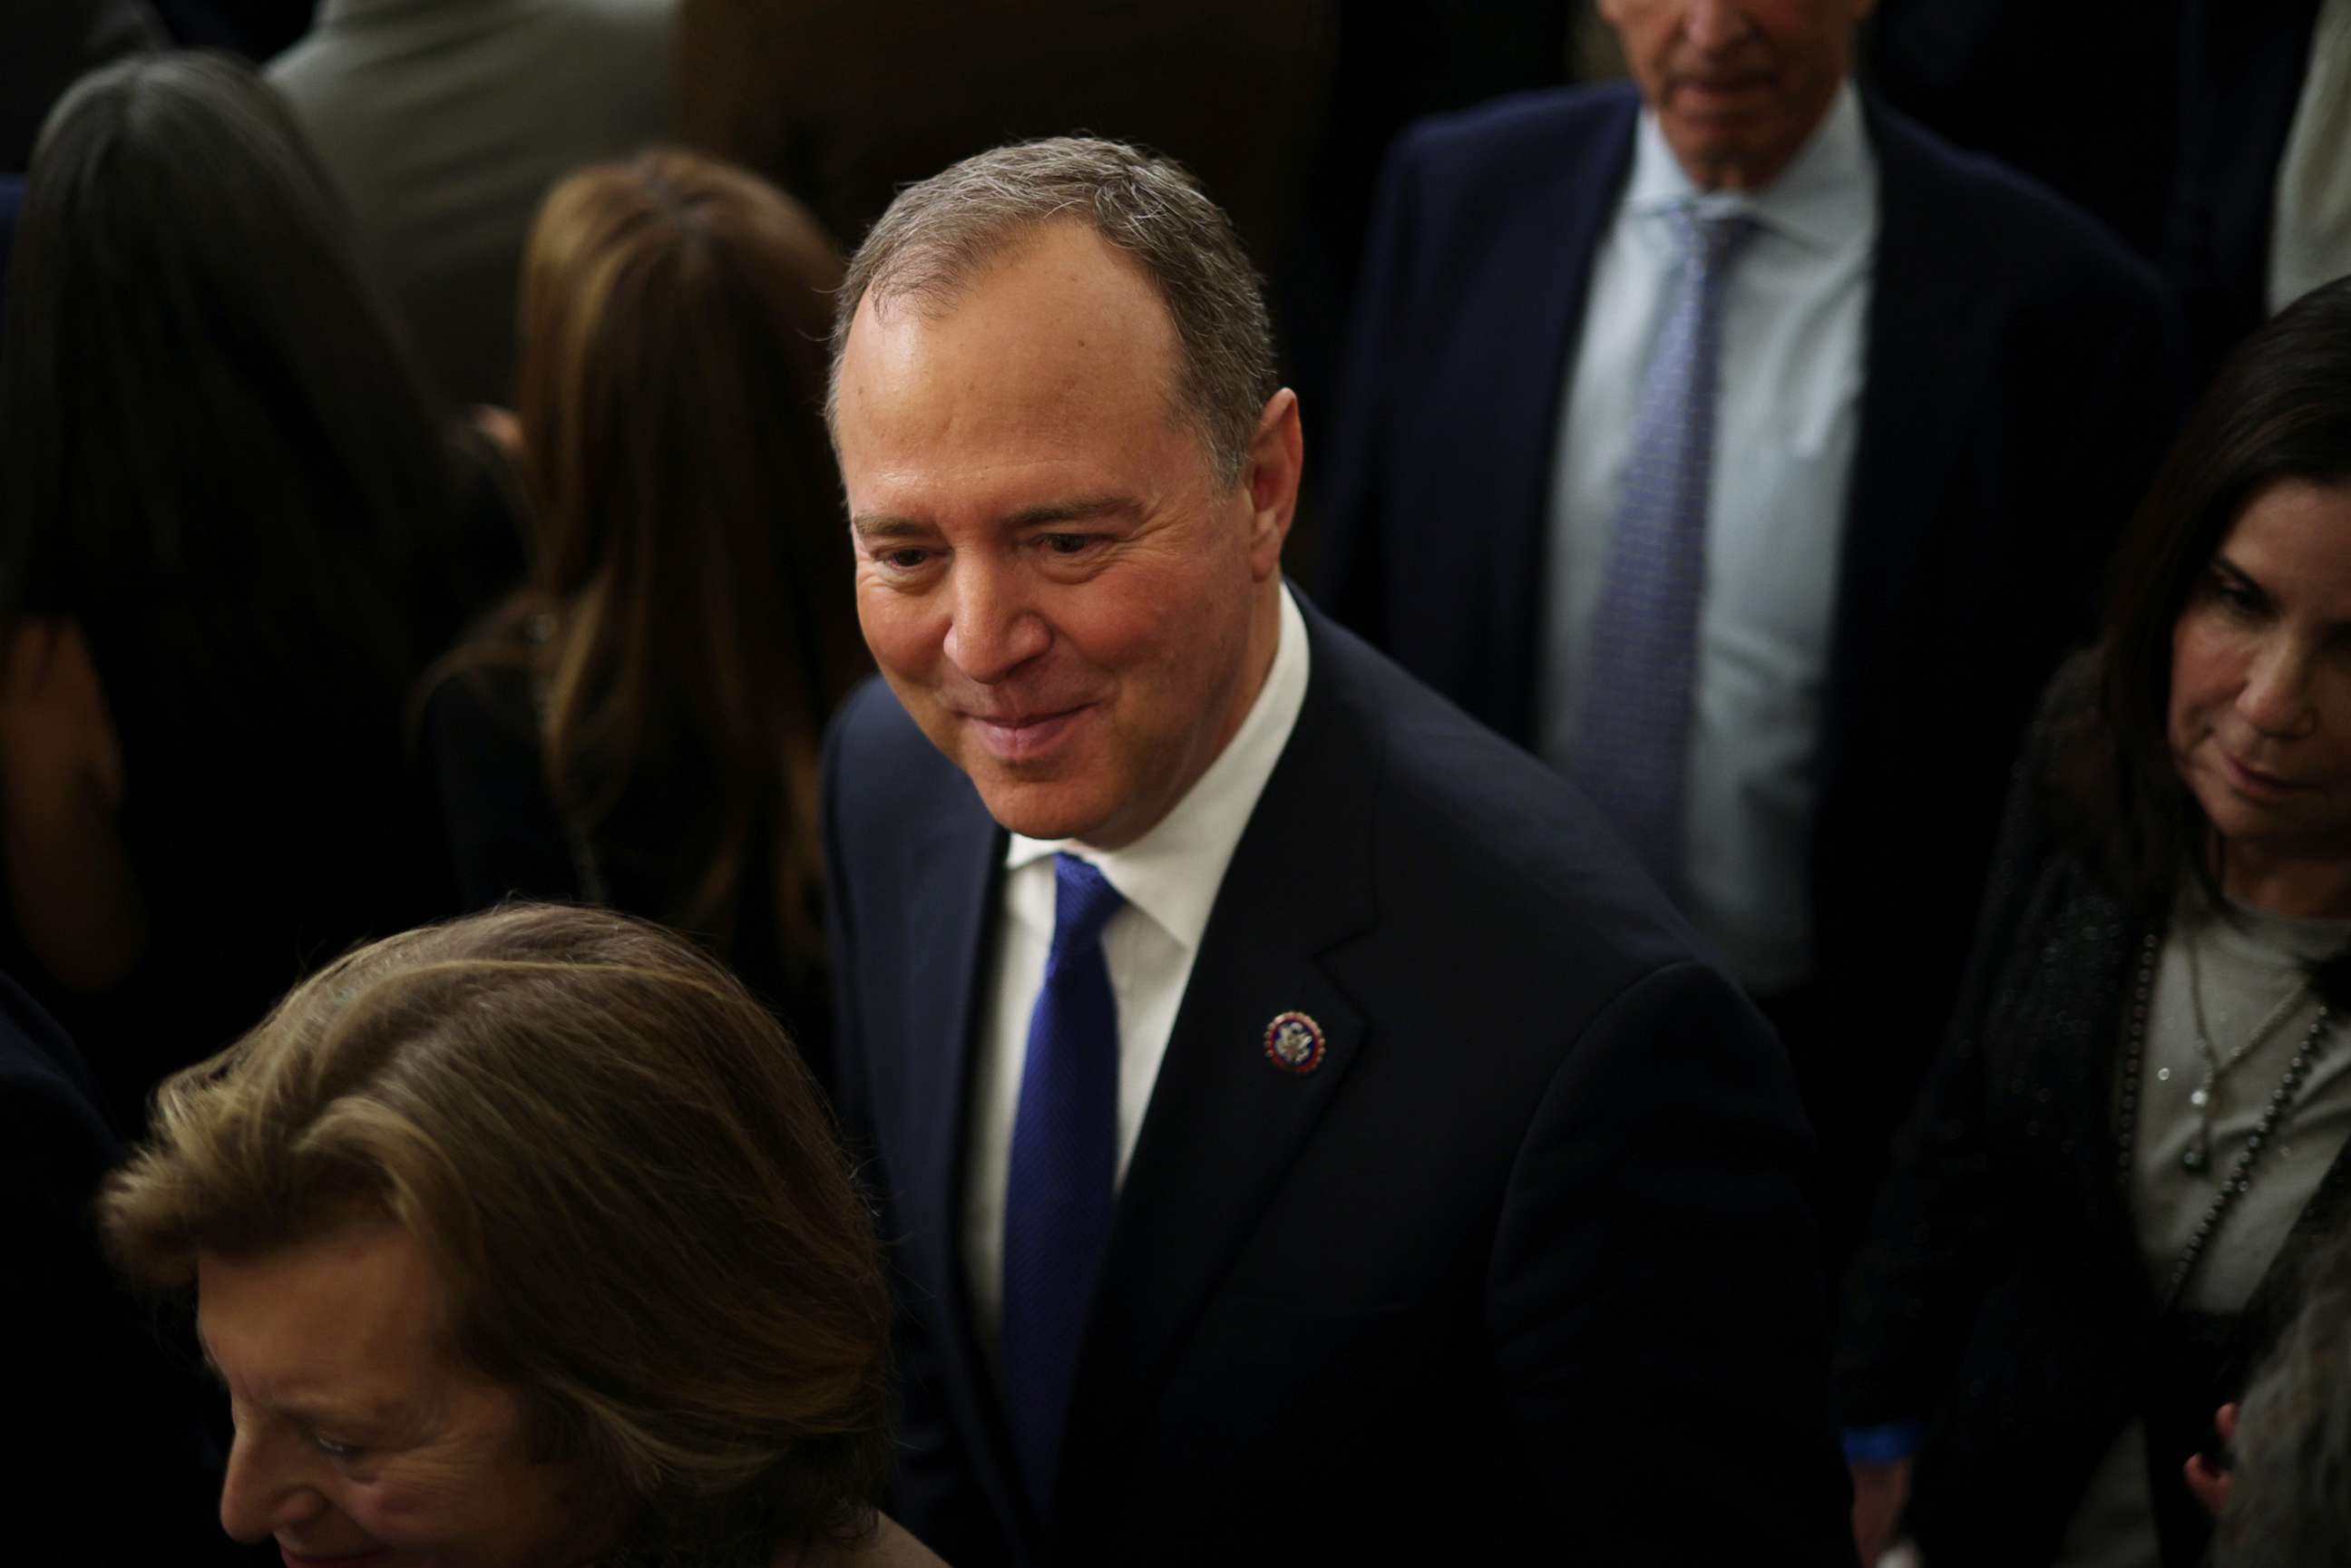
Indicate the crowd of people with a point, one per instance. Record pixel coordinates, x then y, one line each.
722 848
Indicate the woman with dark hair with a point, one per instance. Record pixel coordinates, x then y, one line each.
639 725
526 1242
224 518
2138 1121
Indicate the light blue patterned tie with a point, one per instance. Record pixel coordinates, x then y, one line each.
1632 748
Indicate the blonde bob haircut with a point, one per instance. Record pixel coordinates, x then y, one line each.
647 1226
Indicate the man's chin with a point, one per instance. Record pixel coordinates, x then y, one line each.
1040 808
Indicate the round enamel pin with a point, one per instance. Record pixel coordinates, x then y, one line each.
1293 1043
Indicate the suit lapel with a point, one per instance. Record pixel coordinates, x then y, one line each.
950 877
1538 282
1922 338
1224 1123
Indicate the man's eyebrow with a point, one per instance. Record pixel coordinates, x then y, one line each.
885 527
1073 511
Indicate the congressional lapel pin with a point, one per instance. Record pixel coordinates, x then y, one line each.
1293 1043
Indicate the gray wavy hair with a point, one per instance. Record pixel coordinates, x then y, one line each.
941 233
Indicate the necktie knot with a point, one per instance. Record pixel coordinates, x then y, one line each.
1084 901
1709 240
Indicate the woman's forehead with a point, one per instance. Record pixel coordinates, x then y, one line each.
354 1317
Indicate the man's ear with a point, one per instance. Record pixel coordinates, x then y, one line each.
1277 455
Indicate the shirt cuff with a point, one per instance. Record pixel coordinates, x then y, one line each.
1883 1445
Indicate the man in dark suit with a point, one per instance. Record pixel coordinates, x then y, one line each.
1783 604
1306 1136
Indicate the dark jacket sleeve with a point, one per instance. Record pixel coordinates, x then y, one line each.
1657 1300
1938 1238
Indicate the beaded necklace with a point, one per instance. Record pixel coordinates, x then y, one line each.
2234 1185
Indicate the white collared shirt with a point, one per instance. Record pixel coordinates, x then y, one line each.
1795 334
1169 878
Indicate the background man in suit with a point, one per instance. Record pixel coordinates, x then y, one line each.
1750 455
445 125
1307 1134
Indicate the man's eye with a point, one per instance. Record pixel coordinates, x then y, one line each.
331 1449
1068 544
907 558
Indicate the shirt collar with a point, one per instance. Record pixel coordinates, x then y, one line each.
1172 872
1823 198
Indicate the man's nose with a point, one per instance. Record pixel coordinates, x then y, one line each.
1714 24
995 629
266 1488
2276 698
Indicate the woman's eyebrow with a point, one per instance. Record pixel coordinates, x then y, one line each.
2224 567
313 1410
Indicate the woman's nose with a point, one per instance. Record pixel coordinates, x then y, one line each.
2276 699
266 1488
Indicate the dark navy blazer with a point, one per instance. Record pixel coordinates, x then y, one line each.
2021 379
1523 1261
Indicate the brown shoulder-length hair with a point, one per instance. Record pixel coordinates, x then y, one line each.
628 1180
690 587
2279 410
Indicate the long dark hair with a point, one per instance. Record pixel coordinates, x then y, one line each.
691 580
211 442
2279 410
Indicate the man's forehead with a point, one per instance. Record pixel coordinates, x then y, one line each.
1059 294
1060 346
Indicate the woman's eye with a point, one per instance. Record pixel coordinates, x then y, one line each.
2237 597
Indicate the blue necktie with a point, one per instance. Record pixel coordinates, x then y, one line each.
1064 1166
1632 750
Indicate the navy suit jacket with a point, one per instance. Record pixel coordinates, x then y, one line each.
2022 376
1524 1261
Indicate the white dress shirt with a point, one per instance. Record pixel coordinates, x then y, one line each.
2310 227
1794 329
1169 878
